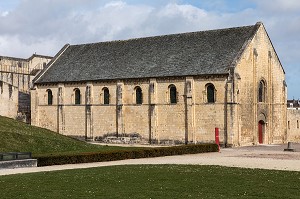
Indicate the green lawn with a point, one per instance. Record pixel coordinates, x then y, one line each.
20 137
153 181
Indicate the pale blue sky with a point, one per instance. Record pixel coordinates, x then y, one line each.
44 26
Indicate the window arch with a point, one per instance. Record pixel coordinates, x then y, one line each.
106 96
49 96
210 93
138 95
262 91
173 94
77 96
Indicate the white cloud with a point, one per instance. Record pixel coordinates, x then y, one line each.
118 4
44 27
4 14
24 50
188 12
280 6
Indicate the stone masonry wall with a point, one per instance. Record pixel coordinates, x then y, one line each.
260 62
293 122
19 73
8 99
156 119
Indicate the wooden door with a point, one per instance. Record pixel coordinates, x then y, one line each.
260 132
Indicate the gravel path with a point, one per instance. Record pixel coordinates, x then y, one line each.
262 156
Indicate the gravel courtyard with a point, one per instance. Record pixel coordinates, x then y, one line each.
261 156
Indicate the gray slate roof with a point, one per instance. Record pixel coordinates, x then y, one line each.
186 54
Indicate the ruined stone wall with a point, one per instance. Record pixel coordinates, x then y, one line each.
15 72
8 100
293 125
19 73
38 62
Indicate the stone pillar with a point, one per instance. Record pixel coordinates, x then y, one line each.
34 106
255 97
270 99
119 109
153 116
88 112
189 111
231 136
60 109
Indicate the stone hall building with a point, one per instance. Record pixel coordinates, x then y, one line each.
177 87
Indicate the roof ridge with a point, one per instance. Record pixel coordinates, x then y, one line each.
166 35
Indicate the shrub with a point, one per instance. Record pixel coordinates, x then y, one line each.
47 160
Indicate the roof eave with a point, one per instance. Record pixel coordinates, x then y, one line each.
116 79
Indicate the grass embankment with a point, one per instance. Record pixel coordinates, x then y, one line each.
20 137
153 181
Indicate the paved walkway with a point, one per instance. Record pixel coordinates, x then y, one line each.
263 156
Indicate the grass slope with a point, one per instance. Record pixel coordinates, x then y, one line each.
153 181
20 137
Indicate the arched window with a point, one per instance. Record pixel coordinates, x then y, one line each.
173 94
210 93
138 95
262 91
50 97
77 96
105 96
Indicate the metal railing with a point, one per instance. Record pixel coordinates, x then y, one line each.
15 156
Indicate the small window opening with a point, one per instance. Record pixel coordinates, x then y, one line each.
106 96
50 97
138 95
77 96
261 91
173 94
210 89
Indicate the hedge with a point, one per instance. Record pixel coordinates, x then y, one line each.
48 160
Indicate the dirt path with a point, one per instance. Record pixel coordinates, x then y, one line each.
263 156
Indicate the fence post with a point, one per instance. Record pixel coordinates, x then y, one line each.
217 138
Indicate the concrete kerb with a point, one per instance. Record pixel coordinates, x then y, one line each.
14 164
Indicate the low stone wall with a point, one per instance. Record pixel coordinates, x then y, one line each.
13 164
